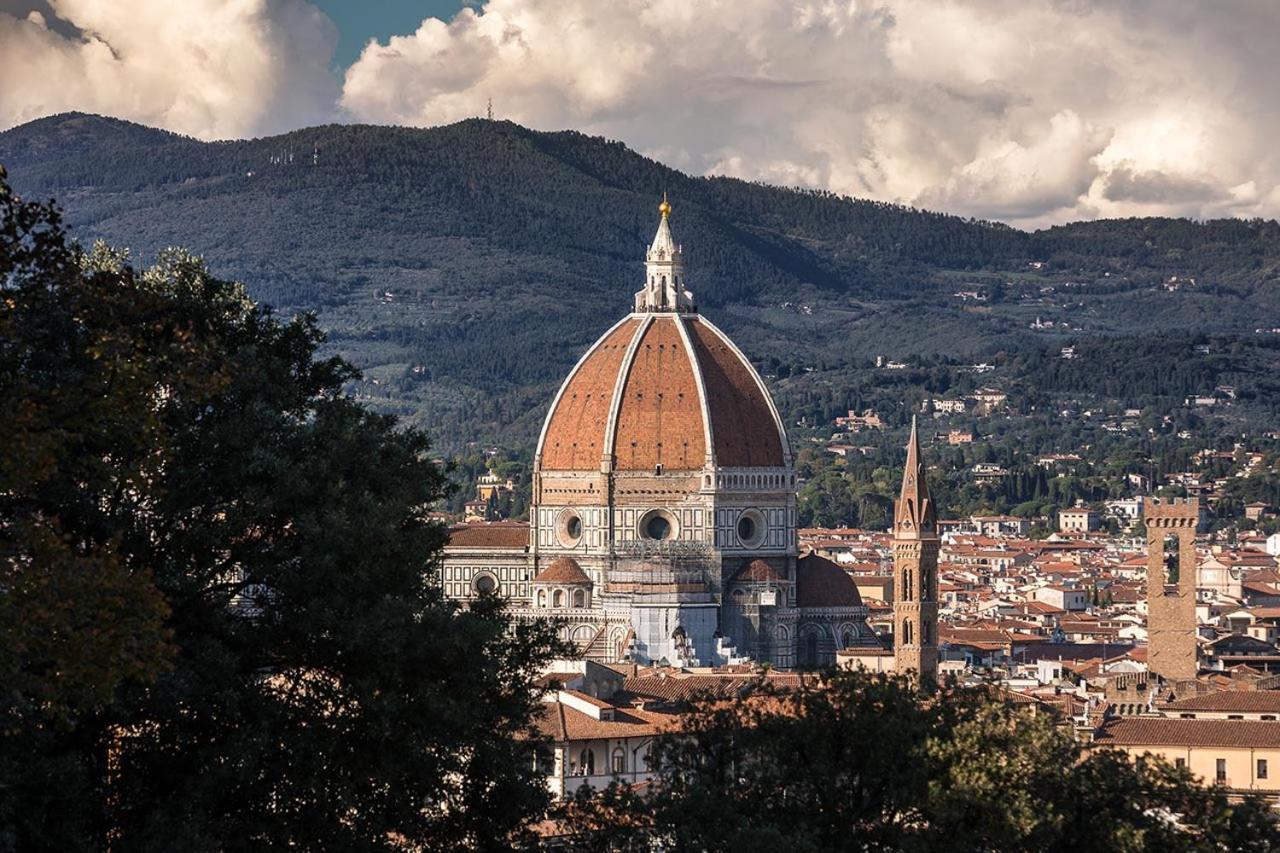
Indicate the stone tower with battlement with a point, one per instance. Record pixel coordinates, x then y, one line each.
915 569
1171 586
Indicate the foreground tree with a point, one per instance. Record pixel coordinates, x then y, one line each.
219 626
865 762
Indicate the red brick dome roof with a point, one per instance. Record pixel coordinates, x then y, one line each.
665 389
822 583
562 570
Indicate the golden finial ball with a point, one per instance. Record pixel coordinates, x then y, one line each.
665 207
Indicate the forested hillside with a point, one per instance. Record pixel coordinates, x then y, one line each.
466 267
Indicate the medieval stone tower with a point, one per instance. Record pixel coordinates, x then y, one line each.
915 568
1171 586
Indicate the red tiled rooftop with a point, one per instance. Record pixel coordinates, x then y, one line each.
496 534
561 723
821 583
667 373
1231 701
562 570
1156 731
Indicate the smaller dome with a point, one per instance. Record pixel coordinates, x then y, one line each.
563 570
757 571
821 583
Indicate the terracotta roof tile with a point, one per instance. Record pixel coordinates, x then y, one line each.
683 688
745 432
660 414
575 433
562 570
821 583
562 723
660 420
502 534
1157 731
1252 701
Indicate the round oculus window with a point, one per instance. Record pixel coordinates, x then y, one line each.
657 526
569 528
484 584
751 528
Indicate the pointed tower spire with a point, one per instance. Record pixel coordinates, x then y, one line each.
664 271
914 514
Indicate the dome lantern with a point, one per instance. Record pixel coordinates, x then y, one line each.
664 271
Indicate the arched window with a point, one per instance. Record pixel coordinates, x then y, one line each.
587 763
557 598
618 761
926 588
811 650
579 598
1172 565
542 598
847 639
906 632
906 584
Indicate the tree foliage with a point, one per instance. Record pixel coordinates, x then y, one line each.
866 762
221 625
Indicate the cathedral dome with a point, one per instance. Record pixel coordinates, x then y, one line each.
822 583
662 390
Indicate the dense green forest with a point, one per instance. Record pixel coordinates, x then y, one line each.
464 268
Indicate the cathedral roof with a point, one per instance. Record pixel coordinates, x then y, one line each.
822 583
490 534
562 570
665 389
662 387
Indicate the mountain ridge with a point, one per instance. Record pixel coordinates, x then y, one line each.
465 267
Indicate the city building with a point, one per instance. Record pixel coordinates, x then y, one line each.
1000 525
1242 756
663 514
1078 520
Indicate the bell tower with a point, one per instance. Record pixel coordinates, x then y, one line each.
915 569
1172 649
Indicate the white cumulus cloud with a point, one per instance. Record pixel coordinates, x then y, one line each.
1030 111
208 68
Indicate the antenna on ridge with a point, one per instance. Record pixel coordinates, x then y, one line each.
490 109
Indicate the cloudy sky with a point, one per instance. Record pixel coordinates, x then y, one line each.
1027 111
